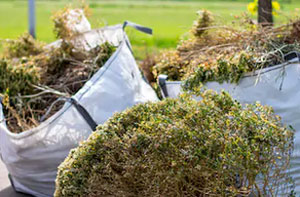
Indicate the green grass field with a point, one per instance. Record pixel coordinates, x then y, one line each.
169 19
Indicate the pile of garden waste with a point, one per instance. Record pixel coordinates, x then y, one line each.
224 53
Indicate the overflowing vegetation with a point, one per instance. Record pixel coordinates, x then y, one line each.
223 53
24 46
182 147
33 75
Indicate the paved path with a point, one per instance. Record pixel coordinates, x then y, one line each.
5 188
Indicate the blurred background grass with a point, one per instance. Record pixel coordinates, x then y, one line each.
169 19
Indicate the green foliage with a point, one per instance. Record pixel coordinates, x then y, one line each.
181 147
17 79
223 72
231 71
170 63
25 45
103 53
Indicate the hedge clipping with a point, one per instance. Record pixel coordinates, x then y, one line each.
181 147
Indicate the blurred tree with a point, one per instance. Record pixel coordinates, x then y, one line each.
265 16
266 9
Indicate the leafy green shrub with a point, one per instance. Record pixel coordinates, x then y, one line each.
181 147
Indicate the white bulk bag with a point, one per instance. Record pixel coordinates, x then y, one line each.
32 157
77 21
276 86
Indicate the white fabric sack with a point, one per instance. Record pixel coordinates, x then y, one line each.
77 21
32 157
90 39
276 86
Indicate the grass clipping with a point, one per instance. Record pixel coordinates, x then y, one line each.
224 53
34 75
181 147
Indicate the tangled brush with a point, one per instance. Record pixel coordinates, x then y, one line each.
182 147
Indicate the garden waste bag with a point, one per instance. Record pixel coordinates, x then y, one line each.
277 86
32 157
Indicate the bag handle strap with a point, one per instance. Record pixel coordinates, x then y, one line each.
138 27
82 111
291 55
50 108
162 84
